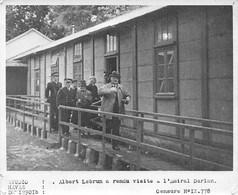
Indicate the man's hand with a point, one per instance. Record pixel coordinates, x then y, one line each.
126 101
114 89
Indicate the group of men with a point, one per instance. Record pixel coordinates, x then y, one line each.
113 95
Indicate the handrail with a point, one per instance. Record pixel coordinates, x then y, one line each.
24 109
181 117
162 122
210 121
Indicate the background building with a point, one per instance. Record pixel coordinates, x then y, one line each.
16 70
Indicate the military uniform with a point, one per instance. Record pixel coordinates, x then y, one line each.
66 97
51 94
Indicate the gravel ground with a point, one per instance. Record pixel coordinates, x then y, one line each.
30 153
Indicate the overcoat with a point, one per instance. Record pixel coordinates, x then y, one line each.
108 98
51 91
66 97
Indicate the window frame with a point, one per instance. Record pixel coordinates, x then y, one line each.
166 94
77 62
163 19
37 92
115 40
80 58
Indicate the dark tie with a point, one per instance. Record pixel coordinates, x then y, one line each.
116 105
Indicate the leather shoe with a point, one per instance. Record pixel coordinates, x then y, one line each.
115 148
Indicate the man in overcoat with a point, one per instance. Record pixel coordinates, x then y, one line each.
114 98
66 97
84 100
50 94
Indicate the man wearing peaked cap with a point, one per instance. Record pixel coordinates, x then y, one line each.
114 98
66 97
50 94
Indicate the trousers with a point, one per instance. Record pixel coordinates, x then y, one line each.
113 127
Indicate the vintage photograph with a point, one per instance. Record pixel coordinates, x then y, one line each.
119 88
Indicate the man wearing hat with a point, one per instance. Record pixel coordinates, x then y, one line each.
114 98
66 97
84 100
50 94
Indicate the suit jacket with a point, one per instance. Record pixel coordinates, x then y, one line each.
108 98
51 91
66 97
94 90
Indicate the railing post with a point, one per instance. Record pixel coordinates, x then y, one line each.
33 118
15 117
59 126
45 115
138 140
79 132
103 133
191 146
24 120
181 133
142 137
50 113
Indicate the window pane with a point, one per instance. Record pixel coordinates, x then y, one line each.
170 85
54 57
170 71
165 33
161 58
78 51
161 86
160 71
170 30
159 31
170 57
115 43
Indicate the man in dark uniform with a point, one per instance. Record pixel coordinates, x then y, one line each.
66 97
74 118
51 93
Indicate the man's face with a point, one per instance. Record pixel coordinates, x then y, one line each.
56 78
93 81
114 80
75 85
68 83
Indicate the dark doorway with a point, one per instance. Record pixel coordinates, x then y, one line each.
111 64
16 80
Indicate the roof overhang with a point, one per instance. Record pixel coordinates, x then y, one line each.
96 29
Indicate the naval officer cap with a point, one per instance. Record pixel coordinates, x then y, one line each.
55 74
68 80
